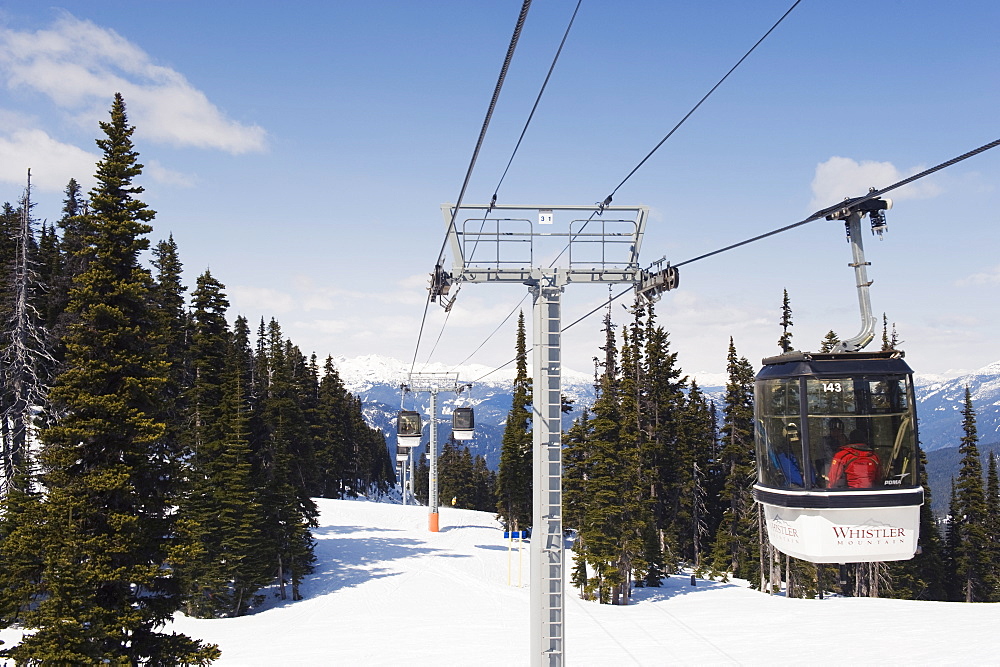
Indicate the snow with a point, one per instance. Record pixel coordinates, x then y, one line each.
387 591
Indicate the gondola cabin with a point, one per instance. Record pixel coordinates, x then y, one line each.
837 459
463 423
408 429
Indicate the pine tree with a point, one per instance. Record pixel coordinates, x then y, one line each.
75 253
952 539
738 536
699 431
890 341
288 511
667 451
514 479
105 520
614 519
922 577
20 562
333 452
829 342
221 528
50 268
645 565
993 529
973 542
785 341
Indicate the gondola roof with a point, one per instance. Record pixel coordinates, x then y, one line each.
832 364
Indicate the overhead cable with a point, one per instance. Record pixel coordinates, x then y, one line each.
812 218
537 99
871 195
475 155
486 122
607 200
746 55
503 176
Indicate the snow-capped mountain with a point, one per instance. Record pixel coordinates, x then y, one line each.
940 403
376 381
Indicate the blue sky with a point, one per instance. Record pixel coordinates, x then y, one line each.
302 151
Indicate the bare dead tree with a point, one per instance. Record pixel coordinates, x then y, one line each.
23 356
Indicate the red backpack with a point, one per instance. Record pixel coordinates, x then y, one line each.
859 466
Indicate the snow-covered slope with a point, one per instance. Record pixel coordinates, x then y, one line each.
388 592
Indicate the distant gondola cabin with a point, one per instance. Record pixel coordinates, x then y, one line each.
463 423
408 429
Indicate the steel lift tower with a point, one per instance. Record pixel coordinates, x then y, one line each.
547 248
434 383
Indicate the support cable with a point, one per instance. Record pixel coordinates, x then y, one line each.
537 100
746 55
524 130
818 215
503 176
871 195
486 122
607 200
475 156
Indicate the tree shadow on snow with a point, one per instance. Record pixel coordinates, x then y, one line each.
675 586
445 529
345 562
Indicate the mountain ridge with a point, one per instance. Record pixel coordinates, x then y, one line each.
376 381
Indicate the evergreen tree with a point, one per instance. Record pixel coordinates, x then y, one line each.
334 450
105 520
952 546
169 309
20 562
288 510
49 265
668 436
614 520
922 577
514 478
829 342
76 250
221 528
973 543
699 427
993 529
785 341
738 537
463 479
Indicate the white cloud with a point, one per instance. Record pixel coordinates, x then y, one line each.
988 277
79 66
839 178
260 301
52 163
161 174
